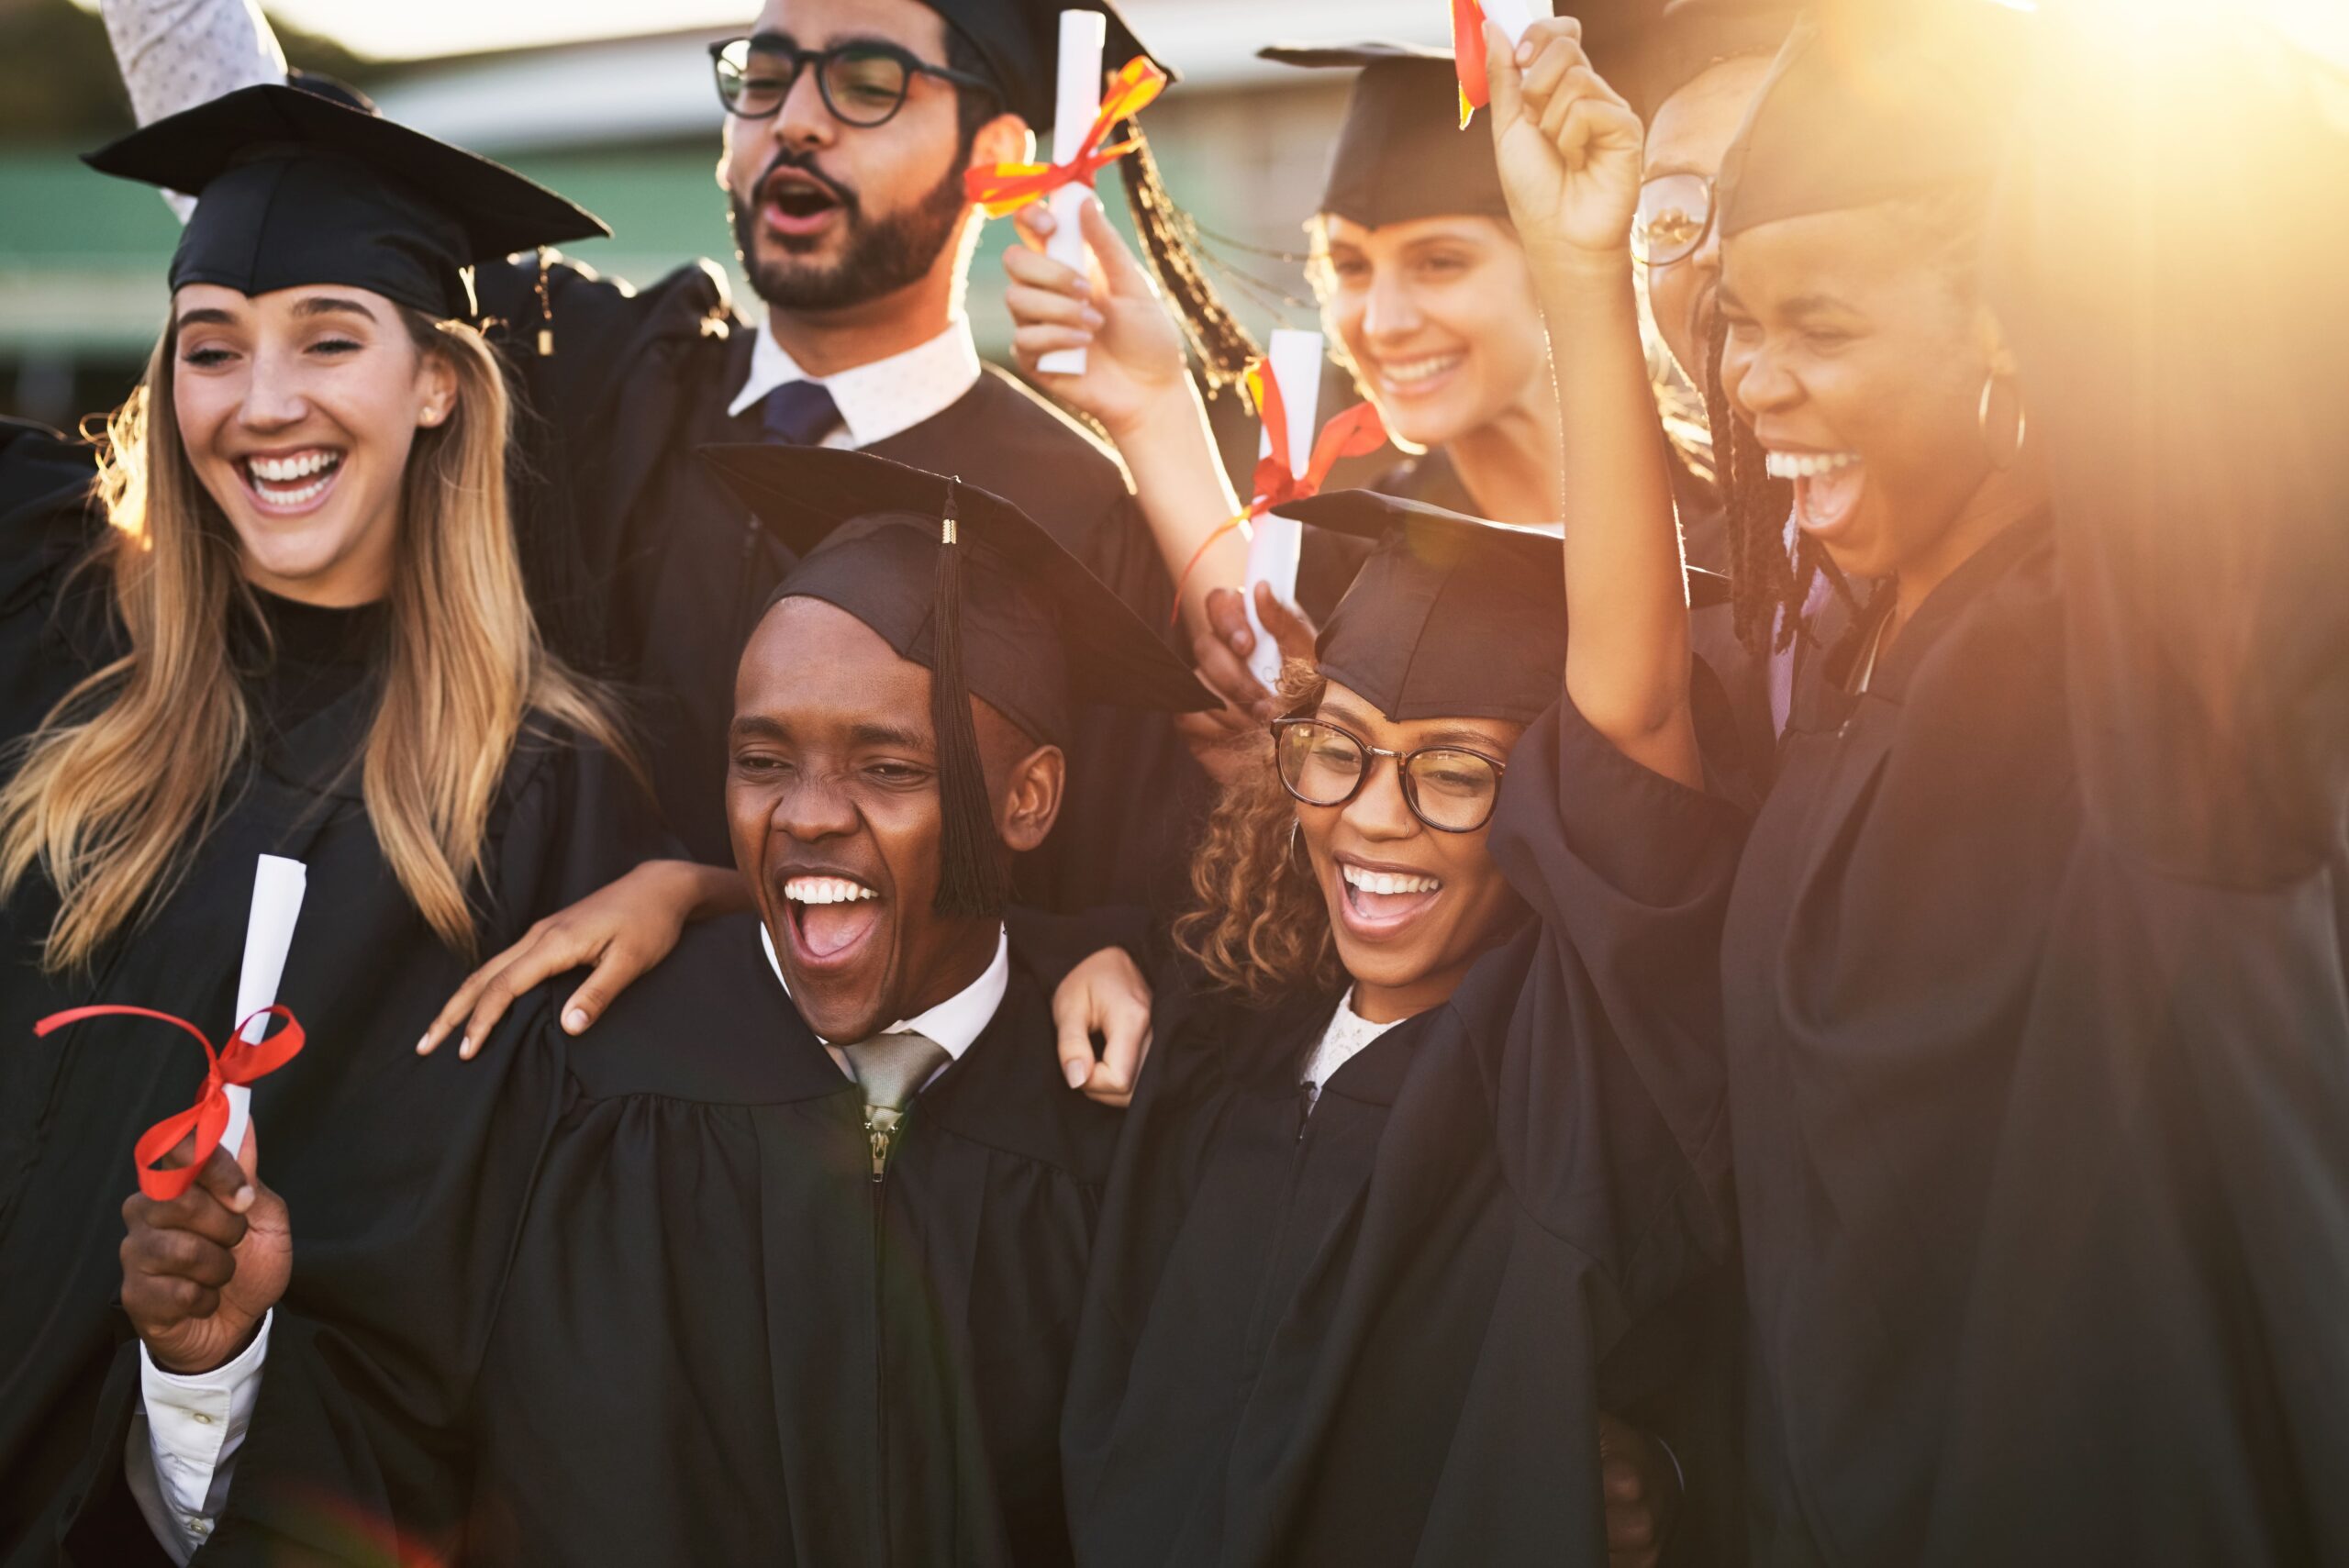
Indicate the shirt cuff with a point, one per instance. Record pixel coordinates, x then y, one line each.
194 1425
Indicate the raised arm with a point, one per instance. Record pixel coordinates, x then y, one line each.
1569 154
176 55
1137 387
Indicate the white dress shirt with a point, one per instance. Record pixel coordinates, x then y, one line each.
876 400
1349 1034
178 1458
954 1023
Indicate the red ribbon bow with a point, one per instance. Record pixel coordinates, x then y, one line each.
243 1063
1468 58
1355 432
1007 187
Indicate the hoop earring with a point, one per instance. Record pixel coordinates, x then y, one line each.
1294 826
1982 425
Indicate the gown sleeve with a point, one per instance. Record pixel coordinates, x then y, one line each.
2186 392
579 821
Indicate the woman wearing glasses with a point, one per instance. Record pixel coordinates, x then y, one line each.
1399 1210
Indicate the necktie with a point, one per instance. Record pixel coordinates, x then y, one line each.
891 1070
799 413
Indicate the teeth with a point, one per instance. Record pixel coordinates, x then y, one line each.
283 469
1408 373
307 494
1807 465
826 890
1387 881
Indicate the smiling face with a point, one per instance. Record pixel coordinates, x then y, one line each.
297 410
829 215
1859 356
1439 318
831 794
1690 134
1411 907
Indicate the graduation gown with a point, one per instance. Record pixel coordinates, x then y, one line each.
357 1115
1381 1333
645 554
720 1339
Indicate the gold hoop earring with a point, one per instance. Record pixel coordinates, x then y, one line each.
1982 425
1294 827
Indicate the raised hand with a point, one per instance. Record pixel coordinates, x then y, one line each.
1225 739
1567 143
1135 362
200 1272
1106 996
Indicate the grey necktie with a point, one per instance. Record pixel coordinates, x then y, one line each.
891 1070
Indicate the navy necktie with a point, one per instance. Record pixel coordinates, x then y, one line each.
799 413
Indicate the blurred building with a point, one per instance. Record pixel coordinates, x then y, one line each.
630 127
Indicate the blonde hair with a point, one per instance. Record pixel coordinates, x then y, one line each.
1262 926
126 775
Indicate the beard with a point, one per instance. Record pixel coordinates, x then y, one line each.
880 255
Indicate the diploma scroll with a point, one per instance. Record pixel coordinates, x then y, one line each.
1294 361
1083 34
278 885
1512 17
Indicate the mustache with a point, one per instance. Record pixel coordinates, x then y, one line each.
805 163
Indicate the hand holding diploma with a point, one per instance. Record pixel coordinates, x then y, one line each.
201 1270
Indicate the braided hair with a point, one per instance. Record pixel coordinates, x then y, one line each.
1767 585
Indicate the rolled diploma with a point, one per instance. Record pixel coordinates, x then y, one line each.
1083 36
278 883
1293 361
1510 15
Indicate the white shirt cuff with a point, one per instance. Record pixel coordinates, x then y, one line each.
194 1425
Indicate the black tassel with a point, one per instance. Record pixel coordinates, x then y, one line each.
973 880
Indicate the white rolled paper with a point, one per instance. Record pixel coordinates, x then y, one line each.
1512 17
1294 361
1083 34
278 885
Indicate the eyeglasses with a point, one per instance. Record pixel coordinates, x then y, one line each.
1450 789
863 85
1675 211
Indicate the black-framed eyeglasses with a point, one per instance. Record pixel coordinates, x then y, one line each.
863 85
1675 212
1449 788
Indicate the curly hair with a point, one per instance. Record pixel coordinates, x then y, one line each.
1262 927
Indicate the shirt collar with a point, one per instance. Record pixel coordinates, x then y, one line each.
954 1023
880 399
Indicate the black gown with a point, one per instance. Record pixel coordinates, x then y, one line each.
720 1339
644 556
1383 1333
356 1116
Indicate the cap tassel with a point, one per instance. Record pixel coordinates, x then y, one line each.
973 880
1224 348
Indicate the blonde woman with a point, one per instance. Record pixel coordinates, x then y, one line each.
277 609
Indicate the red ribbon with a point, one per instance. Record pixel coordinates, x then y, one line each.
243 1063
1355 432
1007 187
1468 58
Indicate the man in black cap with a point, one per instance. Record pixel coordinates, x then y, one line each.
848 125
798 1233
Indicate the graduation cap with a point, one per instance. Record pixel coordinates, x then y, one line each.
1450 615
298 188
1688 37
1401 153
1872 103
1021 42
963 581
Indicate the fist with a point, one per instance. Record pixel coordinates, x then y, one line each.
200 1272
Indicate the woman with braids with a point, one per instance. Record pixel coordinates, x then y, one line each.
2033 998
1411 1252
277 610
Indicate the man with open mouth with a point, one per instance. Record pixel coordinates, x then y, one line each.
798 1234
847 126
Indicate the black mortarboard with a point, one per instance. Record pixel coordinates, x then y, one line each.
297 189
1452 615
1872 103
1020 41
968 584
1401 153
1689 38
